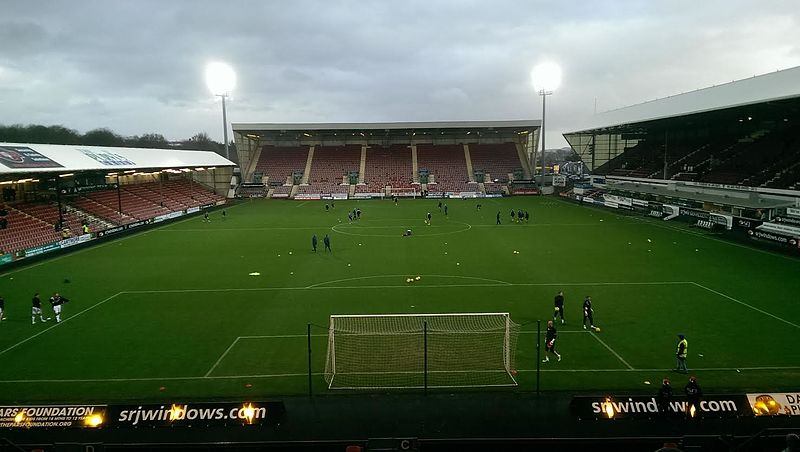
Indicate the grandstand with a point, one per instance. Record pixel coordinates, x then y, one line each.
742 133
54 200
311 161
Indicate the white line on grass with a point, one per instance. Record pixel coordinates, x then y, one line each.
747 305
612 351
284 336
706 236
318 286
227 350
305 374
58 324
302 204
405 276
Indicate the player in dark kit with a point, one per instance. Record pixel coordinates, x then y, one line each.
57 301
2 307
558 306
550 342
445 210
429 219
512 215
588 313
37 309
314 243
327 241
498 217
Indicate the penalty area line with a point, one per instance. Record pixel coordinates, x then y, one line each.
746 305
305 374
61 323
224 354
612 351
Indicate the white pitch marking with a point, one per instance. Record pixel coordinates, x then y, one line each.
612 351
61 323
227 350
305 374
747 305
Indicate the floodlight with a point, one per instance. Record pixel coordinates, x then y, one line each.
220 78
546 77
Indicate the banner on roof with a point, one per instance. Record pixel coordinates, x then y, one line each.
793 212
24 157
775 403
106 158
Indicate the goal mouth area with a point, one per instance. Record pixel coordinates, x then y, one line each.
415 351
403 380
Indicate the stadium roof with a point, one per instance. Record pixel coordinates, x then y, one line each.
385 128
774 86
16 158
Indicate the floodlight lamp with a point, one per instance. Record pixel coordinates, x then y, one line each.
546 77
220 78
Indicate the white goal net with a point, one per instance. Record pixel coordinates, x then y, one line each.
404 350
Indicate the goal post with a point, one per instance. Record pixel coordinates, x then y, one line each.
405 192
390 351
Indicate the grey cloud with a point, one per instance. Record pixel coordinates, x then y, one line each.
137 66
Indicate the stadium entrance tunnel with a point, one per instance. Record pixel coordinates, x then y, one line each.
398 227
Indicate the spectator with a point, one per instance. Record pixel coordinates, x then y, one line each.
693 395
665 397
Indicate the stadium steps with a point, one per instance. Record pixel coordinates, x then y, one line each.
309 160
468 161
362 165
351 191
523 159
414 164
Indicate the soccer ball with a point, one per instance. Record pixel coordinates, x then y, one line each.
417 278
596 329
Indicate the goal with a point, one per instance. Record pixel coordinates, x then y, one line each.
393 351
405 192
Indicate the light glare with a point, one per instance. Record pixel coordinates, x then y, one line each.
546 77
220 78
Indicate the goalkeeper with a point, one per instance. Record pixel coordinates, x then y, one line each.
558 309
550 342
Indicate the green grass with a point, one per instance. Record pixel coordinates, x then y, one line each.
161 308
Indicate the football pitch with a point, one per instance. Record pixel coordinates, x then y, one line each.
178 311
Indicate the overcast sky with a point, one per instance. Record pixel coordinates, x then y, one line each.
137 66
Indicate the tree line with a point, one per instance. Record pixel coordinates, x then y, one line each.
35 133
